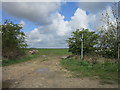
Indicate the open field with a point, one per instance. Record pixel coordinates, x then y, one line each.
48 52
47 70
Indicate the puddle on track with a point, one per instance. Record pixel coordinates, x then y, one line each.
41 70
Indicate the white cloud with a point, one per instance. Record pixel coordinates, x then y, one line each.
38 12
53 29
94 7
31 1
80 19
36 38
22 23
59 25
56 33
60 0
98 0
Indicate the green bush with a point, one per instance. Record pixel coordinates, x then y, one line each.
89 39
13 40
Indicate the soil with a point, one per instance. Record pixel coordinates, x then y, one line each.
45 74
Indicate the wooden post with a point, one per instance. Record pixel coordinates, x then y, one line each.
82 48
118 52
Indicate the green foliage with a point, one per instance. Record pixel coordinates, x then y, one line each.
89 40
13 40
105 71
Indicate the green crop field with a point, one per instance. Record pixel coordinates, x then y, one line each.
48 52
53 52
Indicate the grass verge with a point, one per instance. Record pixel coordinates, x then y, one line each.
23 59
104 71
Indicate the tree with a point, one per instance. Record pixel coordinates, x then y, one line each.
13 40
108 37
115 10
89 40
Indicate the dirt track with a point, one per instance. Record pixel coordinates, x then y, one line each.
45 74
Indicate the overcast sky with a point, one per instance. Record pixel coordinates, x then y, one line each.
49 24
